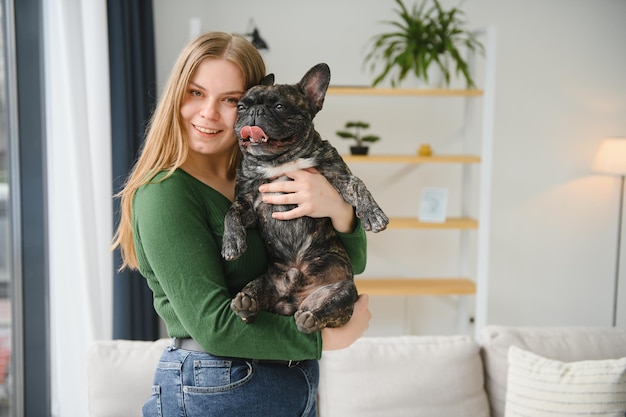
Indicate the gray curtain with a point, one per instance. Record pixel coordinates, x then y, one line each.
133 96
34 366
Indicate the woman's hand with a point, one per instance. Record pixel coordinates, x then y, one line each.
314 196
341 337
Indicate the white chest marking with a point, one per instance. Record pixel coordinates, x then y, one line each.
273 172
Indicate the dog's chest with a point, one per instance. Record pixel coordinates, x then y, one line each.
275 172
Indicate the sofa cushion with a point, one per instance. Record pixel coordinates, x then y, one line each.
120 376
428 376
566 344
540 386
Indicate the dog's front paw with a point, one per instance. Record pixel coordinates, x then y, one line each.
374 220
245 307
233 245
306 322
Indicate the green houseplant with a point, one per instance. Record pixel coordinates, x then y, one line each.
360 148
423 36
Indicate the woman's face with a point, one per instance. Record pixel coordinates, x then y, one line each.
209 108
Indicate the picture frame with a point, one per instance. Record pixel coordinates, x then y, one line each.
434 205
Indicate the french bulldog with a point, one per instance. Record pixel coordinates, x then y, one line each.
309 275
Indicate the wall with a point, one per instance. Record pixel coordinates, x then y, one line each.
559 90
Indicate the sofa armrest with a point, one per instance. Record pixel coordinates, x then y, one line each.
119 376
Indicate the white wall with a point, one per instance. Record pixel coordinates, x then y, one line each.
560 89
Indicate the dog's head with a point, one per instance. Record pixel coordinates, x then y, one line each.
274 118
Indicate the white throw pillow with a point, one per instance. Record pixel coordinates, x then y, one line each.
404 376
538 386
567 344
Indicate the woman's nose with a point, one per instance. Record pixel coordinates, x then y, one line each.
209 110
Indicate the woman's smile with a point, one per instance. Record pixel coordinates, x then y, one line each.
206 130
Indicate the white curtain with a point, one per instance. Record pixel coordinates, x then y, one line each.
79 192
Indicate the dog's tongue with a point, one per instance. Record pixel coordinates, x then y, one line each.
254 132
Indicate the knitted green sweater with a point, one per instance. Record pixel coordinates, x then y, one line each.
178 225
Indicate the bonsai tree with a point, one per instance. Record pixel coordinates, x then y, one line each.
360 148
422 37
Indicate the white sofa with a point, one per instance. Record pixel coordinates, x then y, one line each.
559 371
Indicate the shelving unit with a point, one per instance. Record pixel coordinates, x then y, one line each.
418 286
470 220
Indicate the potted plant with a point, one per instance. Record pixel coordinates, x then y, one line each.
423 37
360 148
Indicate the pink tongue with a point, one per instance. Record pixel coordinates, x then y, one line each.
254 132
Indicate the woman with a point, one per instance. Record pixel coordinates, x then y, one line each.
172 220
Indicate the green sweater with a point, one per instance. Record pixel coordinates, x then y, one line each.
178 225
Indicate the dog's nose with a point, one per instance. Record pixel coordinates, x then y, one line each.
258 111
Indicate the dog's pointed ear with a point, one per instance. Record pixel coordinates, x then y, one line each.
268 80
314 84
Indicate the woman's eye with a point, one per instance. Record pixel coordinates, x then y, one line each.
195 93
232 100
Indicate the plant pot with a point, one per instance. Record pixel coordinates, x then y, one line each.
359 150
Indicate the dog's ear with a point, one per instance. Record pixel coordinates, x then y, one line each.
314 84
268 80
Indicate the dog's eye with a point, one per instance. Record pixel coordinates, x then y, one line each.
278 106
241 107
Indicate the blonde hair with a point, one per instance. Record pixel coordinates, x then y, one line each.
166 145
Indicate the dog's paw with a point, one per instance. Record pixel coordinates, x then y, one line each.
306 322
374 220
233 247
245 307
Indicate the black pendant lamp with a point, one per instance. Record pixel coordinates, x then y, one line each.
256 38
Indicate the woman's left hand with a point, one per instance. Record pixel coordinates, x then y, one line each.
314 197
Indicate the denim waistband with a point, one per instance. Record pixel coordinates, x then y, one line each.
187 343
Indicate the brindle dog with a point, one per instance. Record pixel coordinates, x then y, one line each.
309 274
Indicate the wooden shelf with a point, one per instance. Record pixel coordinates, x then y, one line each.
415 286
374 91
450 223
412 159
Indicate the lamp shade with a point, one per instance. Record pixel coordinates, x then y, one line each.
611 157
257 40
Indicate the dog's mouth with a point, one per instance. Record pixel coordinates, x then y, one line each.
253 134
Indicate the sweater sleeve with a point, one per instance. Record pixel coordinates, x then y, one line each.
356 246
180 256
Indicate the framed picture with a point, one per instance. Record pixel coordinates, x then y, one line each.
434 205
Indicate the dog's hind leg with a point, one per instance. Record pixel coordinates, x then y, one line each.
328 306
259 294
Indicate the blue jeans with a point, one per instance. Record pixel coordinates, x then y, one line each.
196 384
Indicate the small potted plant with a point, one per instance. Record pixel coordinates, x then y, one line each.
360 148
423 37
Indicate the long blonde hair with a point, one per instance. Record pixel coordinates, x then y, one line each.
166 144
